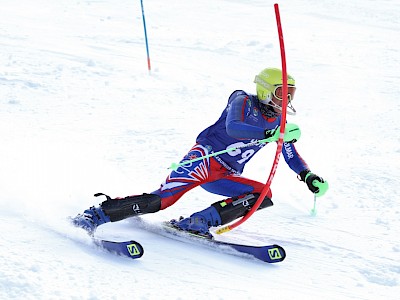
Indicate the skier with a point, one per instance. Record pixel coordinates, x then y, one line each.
246 119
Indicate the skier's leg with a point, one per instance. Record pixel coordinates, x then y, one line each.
225 211
113 210
220 213
189 176
234 185
177 183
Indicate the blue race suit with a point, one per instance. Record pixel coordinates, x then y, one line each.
240 123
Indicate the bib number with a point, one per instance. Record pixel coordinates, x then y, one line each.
244 155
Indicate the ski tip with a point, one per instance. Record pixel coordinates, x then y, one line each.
131 249
276 253
135 249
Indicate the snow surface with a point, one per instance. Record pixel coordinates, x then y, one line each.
80 114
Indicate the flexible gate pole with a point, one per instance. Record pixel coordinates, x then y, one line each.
145 37
281 136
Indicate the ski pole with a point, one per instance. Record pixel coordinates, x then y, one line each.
323 187
145 37
292 133
314 209
175 166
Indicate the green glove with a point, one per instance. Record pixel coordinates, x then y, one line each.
315 183
322 187
292 134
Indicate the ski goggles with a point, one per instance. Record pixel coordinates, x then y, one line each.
278 92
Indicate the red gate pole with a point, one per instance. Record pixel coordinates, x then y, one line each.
281 135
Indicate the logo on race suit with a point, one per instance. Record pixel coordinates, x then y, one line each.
255 111
288 150
192 156
248 102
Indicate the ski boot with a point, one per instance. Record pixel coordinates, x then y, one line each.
200 222
219 213
90 219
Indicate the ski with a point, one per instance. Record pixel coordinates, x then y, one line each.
131 249
267 253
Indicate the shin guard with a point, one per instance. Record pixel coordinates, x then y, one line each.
236 207
119 209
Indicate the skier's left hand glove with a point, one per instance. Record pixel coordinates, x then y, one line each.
315 184
292 134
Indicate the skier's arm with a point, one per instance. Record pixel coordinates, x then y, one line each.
293 159
315 183
236 127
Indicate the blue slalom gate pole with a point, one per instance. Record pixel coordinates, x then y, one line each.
145 37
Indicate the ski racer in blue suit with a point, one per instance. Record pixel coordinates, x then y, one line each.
246 119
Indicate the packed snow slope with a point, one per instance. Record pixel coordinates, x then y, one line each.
80 113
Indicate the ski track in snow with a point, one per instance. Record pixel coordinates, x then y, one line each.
80 114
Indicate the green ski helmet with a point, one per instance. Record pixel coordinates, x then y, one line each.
269 83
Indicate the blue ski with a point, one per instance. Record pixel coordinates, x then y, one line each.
268 253
131 249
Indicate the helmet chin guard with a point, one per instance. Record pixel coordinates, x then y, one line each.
277 108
